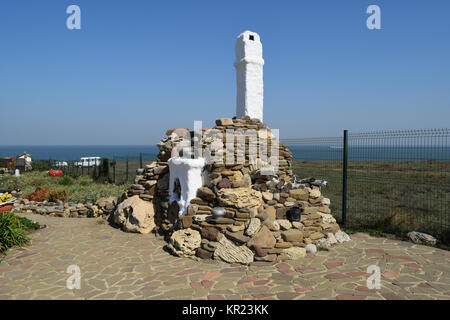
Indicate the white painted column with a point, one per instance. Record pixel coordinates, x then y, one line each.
249 75
189 174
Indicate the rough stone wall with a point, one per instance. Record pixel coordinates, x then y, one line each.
256 226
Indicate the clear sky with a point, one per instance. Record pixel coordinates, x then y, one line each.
137 68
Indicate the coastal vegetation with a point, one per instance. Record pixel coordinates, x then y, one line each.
13 231
76 189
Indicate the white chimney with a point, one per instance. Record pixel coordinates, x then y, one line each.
249 75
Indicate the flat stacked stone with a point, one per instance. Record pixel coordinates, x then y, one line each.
255 226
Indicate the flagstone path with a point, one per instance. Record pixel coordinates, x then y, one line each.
119 265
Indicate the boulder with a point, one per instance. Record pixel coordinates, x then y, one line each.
259 252
229 252
284 224
272 225
331 238
239 197
135 215
224 122
211 234
327 218
267 196
185 242
204 254
271 212
299 194
315 193
316 236
324 244
238 237
292 235
311 248
341 236
263 239
206 194
224 183
253 226
107 204
421 238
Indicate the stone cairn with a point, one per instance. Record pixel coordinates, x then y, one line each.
256 225
101 208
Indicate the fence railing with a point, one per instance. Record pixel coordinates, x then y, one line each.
118 170
395 180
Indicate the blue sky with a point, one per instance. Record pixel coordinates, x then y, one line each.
137 68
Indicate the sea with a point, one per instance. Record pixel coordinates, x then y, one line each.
300 152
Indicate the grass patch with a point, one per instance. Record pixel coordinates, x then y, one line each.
82 189
393 197
13 231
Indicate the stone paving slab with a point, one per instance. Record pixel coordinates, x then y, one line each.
119 265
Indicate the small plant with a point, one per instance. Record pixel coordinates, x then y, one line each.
65 181
42 194
13 230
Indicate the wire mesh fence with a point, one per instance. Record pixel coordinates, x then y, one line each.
400 180
396 181
320 158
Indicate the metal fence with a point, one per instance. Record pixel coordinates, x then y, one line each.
395 181
118 170
124 167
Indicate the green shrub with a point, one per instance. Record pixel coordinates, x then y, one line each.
13 230
65 181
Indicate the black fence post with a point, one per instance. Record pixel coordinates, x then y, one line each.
140 159
126 174
344 178
114 170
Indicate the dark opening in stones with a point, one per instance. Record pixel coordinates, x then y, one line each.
177 188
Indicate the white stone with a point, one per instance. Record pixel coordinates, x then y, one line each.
284 224
331 238
326 201
421 238
188 173
249 75
253 226
311 248
341 236
327 218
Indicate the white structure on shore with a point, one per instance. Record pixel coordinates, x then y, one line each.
185 178
249 76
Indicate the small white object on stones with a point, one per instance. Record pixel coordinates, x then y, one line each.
311 248
421 238
341 236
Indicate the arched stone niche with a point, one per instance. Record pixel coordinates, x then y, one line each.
186 176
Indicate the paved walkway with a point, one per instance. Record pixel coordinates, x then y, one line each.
119 265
